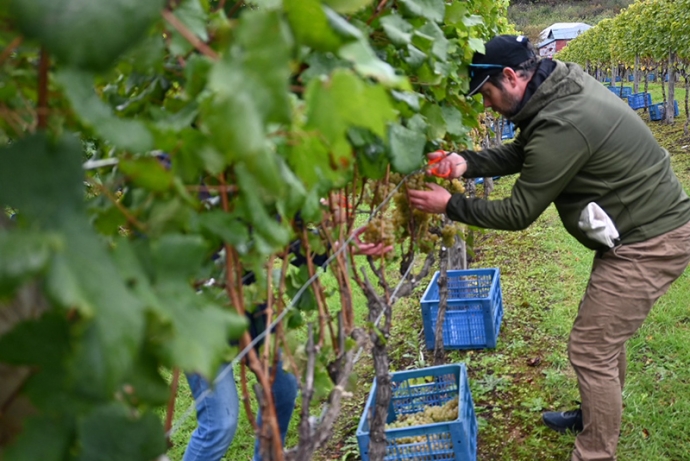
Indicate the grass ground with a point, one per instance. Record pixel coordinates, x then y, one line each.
543 274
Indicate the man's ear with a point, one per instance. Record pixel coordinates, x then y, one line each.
510 76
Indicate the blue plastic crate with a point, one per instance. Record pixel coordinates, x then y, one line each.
657 112
474 310
637 100
623 92
508 130
412 392
481 180
631 78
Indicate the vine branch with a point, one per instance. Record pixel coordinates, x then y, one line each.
196 42
42 106
9 49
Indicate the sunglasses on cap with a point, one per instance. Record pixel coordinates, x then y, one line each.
484 66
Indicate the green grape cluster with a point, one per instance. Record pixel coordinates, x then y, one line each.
409 222
424 229
448 233
379 230
430 415
457 187
379 191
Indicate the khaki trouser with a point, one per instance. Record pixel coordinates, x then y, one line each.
624 284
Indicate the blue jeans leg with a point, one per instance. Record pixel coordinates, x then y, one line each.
284 394
216 417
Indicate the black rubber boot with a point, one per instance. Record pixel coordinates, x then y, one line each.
564 421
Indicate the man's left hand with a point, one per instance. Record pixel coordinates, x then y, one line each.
430 201
368 249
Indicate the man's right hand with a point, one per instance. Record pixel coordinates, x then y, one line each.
446 165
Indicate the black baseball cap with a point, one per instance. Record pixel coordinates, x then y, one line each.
500 52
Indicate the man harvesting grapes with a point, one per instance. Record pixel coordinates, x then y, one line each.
583 149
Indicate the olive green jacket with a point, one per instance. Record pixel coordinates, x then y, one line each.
578 143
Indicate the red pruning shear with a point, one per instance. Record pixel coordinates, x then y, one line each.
436 160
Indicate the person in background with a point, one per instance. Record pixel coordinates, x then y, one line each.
218 412
582 148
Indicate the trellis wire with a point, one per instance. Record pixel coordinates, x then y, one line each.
228 367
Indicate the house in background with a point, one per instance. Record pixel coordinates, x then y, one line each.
555 37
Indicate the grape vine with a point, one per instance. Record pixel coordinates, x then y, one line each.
218 137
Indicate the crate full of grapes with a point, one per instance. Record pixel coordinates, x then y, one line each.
474 309
430 416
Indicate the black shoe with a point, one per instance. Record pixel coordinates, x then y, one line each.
564 421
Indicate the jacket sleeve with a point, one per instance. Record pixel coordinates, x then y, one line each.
503 160
554 154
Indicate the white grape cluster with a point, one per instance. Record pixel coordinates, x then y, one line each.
399 222
430 415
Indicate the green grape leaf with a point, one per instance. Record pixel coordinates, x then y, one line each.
456 13
144 382
252 90
430 9
192 15
252 205
440 42
332 107
321 64
147 172
397 29
437 124
227 228
406 148
126 134
188 329
309 158
415 58
473 20
24 255
42 178
178 257
343 27
453 119
115 432
323 384
192 330
109 220
423 41
259 65
290 203
347 6
418 123
196 73
409 98
336 104
55 434
372 156
235 127
84 277
476 44
268 4
90 34
44 342
148 56
310 24
427 76
365 61
312 211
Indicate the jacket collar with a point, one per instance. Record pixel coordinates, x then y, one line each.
565 79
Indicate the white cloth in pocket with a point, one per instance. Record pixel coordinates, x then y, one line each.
597 225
